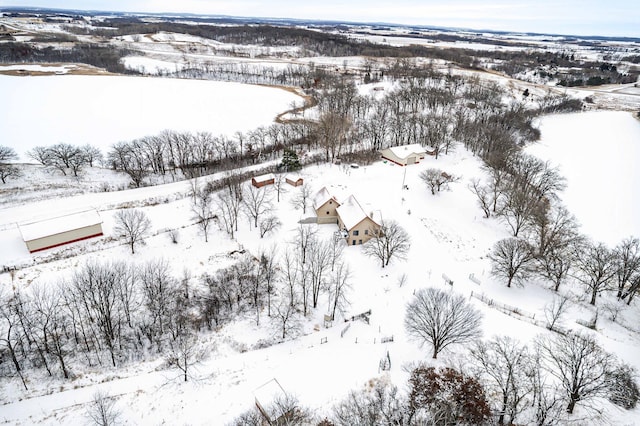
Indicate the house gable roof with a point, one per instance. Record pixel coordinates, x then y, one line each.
322 197
351 213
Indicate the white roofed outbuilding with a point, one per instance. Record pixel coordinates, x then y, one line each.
263 180
60 230
404 154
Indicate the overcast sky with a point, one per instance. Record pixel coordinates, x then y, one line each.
580 17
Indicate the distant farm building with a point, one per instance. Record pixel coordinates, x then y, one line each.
61 230
325 206
357 226
263 180
404 154
294 180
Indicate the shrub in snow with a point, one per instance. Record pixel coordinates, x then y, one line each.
623 388
445 396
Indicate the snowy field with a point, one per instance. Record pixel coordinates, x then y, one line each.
597 152
101 111
449 236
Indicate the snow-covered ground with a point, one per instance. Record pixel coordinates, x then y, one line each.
101 111
449 236
597 153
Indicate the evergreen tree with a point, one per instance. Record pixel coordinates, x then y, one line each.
290 161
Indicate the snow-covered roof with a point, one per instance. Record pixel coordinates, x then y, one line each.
58 225
268 393
264 178
351 212
404 151
322 197
293 178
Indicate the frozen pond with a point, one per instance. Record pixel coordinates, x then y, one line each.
598 153
102 110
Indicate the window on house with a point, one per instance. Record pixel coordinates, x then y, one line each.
355 233
327 213
366 232
353 243
359 241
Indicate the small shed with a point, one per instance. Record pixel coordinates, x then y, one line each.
265 396
57 231
404 154
263 180
294 180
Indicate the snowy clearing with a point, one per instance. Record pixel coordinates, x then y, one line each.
101 111
596 152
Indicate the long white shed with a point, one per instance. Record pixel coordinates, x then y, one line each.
57 231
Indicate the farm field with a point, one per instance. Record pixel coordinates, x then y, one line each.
104 110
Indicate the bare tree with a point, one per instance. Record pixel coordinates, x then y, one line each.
483 195
302 199
389 242
505 363
268 225
7 169
554 311
627 259
49 314
511 259
279 184
11 334
132 225
556 264
379 405
256 202
184 352
305 238
595 268
318 264
40 154
229 201
441 319
269 273
518 208
102 410
579 364
285 319
64 156
91 154
437 179
159 289
547 401
290 275
103 295
554 228
338 285
201 207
